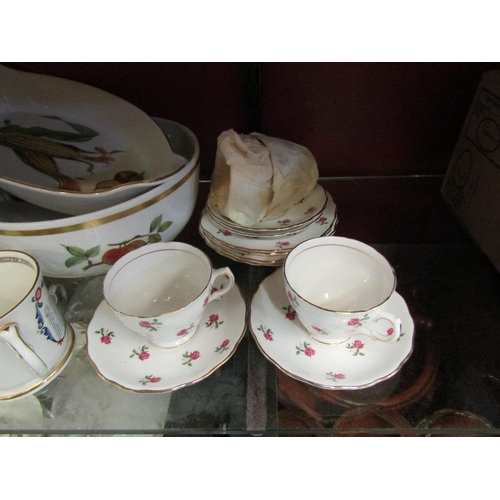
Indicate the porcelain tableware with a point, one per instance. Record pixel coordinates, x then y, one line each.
87 245
76 149
273 233
263 250
255 258
340 287
31 327
361 362
129 361
160 292
297 217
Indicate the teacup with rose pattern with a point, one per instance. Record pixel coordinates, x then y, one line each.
161 291
339 287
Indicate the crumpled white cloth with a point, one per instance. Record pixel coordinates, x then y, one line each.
259 177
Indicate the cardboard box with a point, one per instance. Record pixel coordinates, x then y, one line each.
472 183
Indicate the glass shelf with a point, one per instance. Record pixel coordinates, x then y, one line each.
449 386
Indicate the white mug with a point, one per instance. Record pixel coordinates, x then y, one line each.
30 323
160 291
339 287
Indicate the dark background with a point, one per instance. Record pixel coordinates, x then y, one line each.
358 119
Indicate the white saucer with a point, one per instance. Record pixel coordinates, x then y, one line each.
253 258
355 364
275 245
118 359
17 380
295 218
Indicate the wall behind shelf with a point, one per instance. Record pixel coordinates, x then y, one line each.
371 118
357 118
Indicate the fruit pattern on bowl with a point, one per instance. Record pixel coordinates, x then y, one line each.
92 255
87 245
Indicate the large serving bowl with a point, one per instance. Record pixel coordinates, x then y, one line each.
74 148
87 245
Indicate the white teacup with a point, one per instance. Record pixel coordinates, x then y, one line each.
339 287
160 291
29 321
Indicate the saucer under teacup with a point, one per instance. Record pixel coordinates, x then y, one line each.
18 380
357 363
124 358
296 218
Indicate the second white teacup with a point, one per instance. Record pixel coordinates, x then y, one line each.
160 291
339 287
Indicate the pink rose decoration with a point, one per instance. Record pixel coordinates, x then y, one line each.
143 355
322 219
145 324
182 332
339 376
353 322
154 379
309 351
106 339
357 344
268 336
213 320
227 233
194 355
214 289
390 331
38 294
291 315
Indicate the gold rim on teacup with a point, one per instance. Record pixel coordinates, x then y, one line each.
354 311
339 287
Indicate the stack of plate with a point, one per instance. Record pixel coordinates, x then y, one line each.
269 242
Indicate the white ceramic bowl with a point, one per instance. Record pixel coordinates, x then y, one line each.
87 245
74 148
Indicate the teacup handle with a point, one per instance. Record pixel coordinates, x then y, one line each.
10 333
388 337
217 294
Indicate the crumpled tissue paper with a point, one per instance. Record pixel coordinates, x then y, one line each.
257 177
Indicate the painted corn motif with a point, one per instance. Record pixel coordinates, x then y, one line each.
41 147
